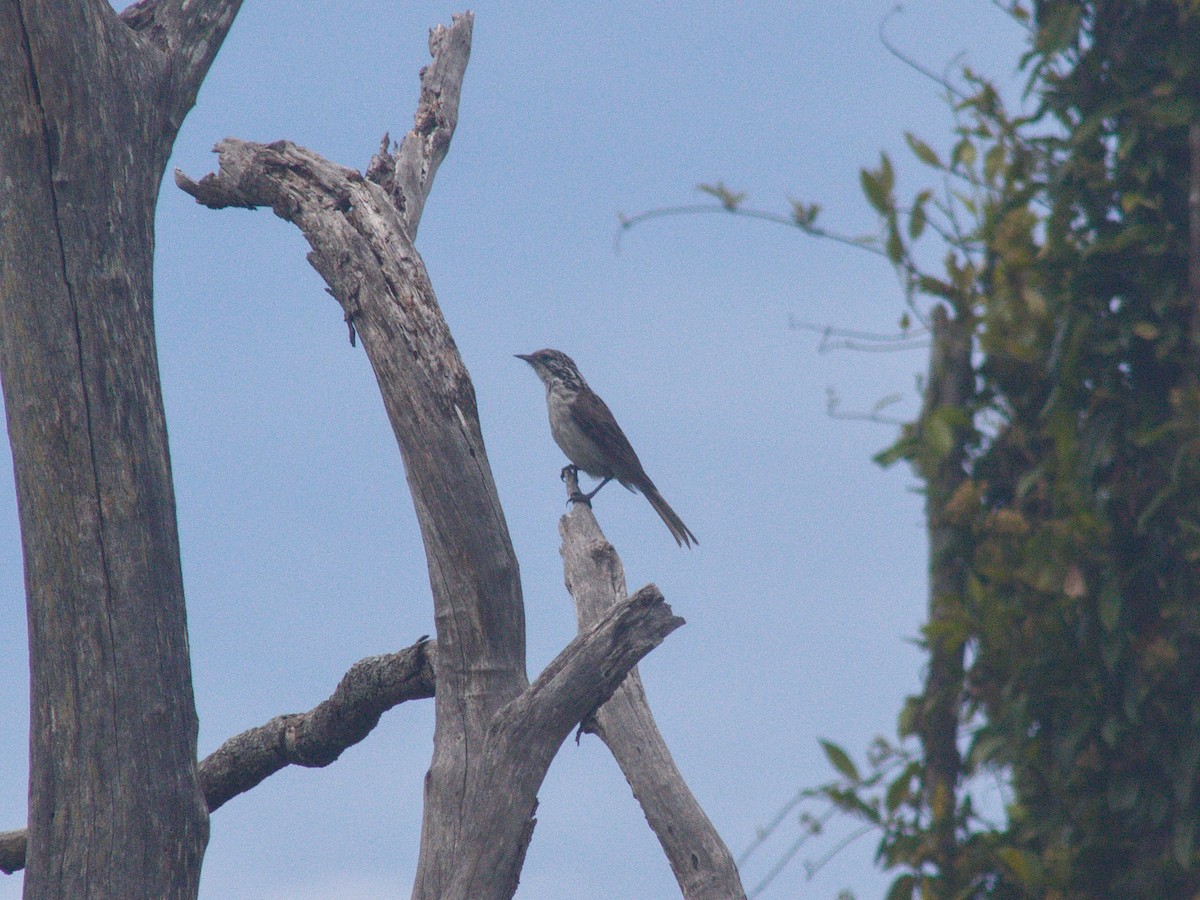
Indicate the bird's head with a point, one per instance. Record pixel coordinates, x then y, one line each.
555 368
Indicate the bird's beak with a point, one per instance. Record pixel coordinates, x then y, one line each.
522 356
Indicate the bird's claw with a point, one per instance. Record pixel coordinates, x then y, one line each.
570 474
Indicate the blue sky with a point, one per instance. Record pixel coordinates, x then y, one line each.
300 548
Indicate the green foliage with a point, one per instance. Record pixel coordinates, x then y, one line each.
878 185
1077 506
840 760
731 200
1062 475
804 215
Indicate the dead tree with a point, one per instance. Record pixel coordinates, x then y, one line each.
90 103
496 733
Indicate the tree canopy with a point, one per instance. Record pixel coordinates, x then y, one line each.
1059 446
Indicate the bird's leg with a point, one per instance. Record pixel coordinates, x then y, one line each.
596 490
570 474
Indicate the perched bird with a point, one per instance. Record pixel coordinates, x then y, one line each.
585 429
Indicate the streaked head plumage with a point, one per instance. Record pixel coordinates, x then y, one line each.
555 366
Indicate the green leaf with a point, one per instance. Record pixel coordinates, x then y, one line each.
967 201
1151 508
916 222
986 747
902 888
1148 236
895 244
1110 606
941 430
922 150
887 175
937 288
1025 866
877 195
805 215
1147 331
731 200
840 760
993 161
900 790
1058 27
1110 731
950 631
904 448
963 154
909 717
1131 200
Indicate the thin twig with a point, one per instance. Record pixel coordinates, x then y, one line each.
767 830
627 222
912 63
812 869
790 853
850 334
832 403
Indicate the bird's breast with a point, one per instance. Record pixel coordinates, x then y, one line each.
574 441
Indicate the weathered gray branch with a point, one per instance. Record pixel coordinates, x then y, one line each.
362 246
526 734
318 737
314 739
702 863
12 850
407 175
188 34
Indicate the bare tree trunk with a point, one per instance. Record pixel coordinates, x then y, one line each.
90 103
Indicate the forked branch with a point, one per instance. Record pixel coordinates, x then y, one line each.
525 735
407 174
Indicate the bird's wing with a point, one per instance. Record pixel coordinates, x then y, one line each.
596 420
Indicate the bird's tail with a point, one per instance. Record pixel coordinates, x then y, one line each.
682 534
